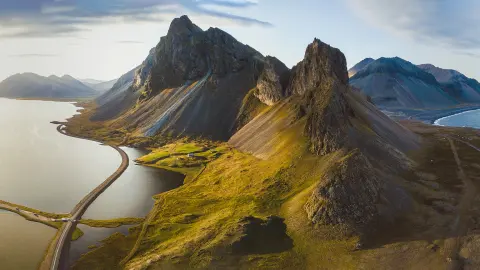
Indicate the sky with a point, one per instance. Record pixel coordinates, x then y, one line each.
103 39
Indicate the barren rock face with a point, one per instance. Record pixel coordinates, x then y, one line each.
321 63
187 53
347 195
272 82
349 192
321 80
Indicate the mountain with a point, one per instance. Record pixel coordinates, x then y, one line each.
301 144
284 168
396 83
99 86
90 81
30 85
192 82
457 85
359 66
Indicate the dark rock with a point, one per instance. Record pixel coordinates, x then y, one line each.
273 81
347 195
258 236
321 80
187 53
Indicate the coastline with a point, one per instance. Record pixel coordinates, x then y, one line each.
431 116
54 257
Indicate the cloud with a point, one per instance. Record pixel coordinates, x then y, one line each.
469 54
35 55
443 22
46 18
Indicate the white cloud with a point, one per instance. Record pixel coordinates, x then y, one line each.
451 23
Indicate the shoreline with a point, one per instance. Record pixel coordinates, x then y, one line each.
429 116
57 251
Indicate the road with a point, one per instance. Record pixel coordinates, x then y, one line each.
57 254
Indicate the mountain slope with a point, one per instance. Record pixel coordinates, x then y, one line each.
29 85
319 158
192 83
396 83
359 66
457 85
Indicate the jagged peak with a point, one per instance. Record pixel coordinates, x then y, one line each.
320 61
183 25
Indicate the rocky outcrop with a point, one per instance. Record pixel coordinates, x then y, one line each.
273 81
321 80
347 194
338 119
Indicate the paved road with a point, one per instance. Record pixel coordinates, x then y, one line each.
57 255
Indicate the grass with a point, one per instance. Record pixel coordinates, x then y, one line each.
111 223
194 225
36 211
174 157
230 186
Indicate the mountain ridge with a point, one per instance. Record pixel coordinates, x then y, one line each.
397 83
31 85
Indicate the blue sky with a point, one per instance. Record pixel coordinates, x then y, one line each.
102 39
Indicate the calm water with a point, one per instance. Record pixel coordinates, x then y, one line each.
93 236
44 169
131 195
22 243
465 119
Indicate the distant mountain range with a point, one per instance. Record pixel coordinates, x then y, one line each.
359 66
397 83
30 85
100 86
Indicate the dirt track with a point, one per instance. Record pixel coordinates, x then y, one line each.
459 228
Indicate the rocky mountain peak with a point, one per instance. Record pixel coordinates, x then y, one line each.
187 53
321 80
321 62
183 25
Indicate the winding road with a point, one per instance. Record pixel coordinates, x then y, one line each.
56 257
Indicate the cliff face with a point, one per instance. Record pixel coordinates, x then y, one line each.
273 81
193 83
321 80
187 53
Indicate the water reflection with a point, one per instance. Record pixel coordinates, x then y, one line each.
41 168
22 243
92 237
131 194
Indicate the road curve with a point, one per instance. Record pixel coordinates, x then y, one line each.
57 254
